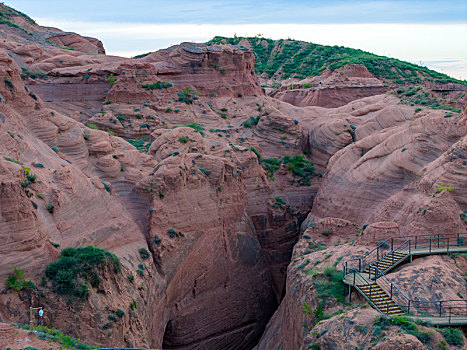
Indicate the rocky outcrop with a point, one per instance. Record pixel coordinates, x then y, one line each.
78 42
332 88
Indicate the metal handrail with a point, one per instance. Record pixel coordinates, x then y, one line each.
419 305
403 301
376 293
390 243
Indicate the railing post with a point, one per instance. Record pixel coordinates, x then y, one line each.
416 242
430 244
392 244
408 308
360 265
450 309
354 273
459 239
440 307
438 240
448 245
391 290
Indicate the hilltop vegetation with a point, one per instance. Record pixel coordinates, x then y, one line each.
300 59
6 14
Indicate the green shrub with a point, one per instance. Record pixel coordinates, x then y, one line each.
301 167
141 144
183 139
106 186
280 201
120 313
251 122
255 151
406 325
332 288
205 171
143 253
142 55
55 149
78 266
187 95
32 75
453 336
12 160
157 240
157 85
92 126
8 83
111 79
50 208
18 282
172 232
31 178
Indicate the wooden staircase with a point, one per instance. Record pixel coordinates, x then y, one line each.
389 261
380 299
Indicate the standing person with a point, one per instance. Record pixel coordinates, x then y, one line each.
41 315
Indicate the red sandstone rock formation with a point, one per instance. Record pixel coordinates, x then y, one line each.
220 231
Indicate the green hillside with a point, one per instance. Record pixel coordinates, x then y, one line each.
300 59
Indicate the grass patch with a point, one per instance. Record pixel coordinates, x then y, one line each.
330 289
197 127
46 333
142 144
297 165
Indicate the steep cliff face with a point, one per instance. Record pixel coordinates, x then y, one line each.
201 204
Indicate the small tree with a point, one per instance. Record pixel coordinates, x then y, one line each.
187 95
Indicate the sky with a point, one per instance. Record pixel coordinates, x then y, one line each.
430 33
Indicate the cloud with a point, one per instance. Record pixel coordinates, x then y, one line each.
247 11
